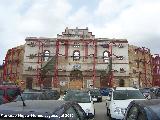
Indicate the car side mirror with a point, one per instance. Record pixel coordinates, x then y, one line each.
92 101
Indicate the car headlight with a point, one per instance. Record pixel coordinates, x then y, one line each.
120 110
87 111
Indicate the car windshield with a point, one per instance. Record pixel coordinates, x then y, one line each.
78 97
95 92
127 94
29 96
1 92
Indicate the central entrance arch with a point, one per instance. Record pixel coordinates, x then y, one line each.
76 79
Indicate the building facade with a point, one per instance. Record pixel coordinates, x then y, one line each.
75 59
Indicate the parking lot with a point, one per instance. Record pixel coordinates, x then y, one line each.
100 110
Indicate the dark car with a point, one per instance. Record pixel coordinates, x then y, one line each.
143 110
146 92
9 92
104 91
52 94
157 93
43 110
32 96
96 95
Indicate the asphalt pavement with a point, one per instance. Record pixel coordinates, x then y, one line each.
100 110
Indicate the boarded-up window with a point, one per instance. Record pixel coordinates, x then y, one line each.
29 81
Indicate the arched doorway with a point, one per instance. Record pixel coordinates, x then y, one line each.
104 79
29 82
121 83
76 79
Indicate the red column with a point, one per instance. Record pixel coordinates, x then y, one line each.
55 81
94 61
66 49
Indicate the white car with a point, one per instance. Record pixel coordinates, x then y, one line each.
83 99
119 100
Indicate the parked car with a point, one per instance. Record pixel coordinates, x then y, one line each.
119 100
83 99
3 100
96 95
9 92
104 91
157 93
32 96
146 92
143 110
43 110
52 94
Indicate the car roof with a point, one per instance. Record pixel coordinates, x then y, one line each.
148 103
125 88
49 106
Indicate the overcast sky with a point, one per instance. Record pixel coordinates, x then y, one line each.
138 21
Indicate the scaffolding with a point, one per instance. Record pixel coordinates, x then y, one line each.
68 43
35 42
156 70
11 64
146 62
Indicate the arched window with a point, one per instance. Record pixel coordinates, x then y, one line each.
105 56
76 55
76 44
46 55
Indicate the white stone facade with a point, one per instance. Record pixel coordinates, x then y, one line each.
91 51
